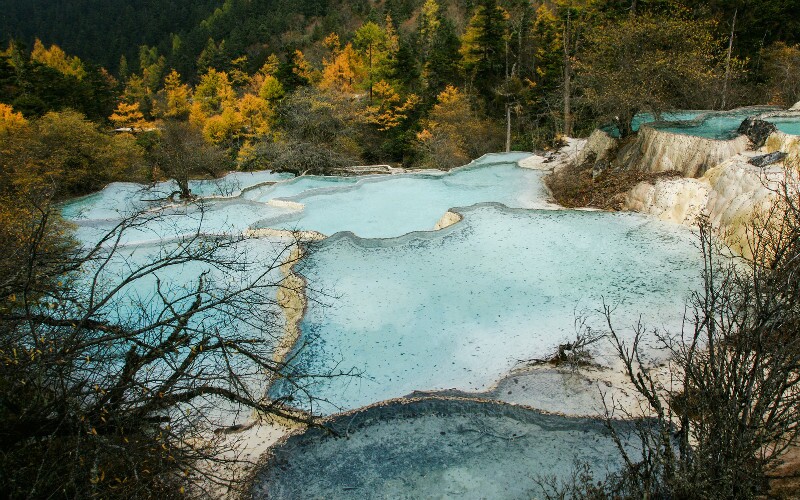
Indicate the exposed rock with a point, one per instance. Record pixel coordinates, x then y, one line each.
675 200
556 160
729 194
600 166
767 159
796 107
600 145
781 141
362 170
293 205
757 130
660 151
448 219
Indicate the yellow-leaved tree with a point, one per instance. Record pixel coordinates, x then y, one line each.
175 97
10 120
224 129
57 59
128 116
343 72
388 109
214 92
255 114
454 133
303 69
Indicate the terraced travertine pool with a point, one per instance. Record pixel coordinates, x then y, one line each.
718 125
439 448
646 118
458 308
415 309
786 124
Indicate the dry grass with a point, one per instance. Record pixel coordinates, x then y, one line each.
575 186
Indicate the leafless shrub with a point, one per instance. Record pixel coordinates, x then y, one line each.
112 375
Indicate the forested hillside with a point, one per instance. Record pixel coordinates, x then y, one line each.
101 31
246 24
401 81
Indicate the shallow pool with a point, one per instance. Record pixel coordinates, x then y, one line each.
459 307
413 309
643 118
718 125
388 206
439 449
121 199
786 124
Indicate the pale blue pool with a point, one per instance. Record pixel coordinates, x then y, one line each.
388 206
459 307
120 199
643 118
786 124
718 125
413 309
439 449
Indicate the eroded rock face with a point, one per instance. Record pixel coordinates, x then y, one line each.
691 156
781 141
600 146
674 200
757 130
729 194
448 219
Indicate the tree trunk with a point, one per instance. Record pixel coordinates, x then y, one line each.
728 63
567 81
370 73
508 127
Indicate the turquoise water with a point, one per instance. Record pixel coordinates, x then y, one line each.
212 217
388 206
235 183
296 186
137 286
459 307
424 310
371 206
786 124
721 125
642 118
439 449
121 199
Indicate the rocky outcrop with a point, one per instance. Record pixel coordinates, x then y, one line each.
556 160
781 141
599 147
448 219
757 130
659 151
729 194
674 200
767 159
292 205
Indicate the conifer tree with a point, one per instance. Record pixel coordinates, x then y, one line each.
484 48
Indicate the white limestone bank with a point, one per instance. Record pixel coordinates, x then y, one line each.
661 151
567 155
729 194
